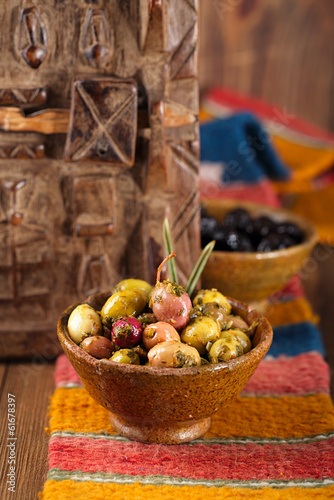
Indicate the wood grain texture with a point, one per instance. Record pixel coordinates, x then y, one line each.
278 50
71 228
32 385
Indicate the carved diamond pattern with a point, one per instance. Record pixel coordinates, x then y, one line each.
103 124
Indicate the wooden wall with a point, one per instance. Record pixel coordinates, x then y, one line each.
280 50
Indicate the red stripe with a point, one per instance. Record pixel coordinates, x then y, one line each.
260 192
234 462
65 373
304 374
266 111
293 289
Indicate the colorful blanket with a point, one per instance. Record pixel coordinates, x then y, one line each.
275 441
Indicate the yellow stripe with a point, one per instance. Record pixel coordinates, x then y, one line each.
68 490
274 417
294 311
74 410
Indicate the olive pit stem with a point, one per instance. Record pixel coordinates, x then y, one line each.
163 263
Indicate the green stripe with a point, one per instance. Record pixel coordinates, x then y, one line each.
208 441
159 480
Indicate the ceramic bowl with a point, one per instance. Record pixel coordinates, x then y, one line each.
165 405
254 276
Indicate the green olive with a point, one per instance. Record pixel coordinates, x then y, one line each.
199 332
134 284
126 356
206 296
83 322
173 354
123 304
241 337
225 349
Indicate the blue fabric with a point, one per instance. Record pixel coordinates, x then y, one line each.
295 339
243 146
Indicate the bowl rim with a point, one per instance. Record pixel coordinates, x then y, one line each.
263 345
311 234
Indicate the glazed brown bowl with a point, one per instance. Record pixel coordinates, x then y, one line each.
254 276
165 405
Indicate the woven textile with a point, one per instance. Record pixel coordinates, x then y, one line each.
276 440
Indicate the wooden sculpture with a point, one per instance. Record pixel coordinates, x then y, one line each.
98 143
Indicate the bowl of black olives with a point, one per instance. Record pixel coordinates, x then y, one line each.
163 358
258 249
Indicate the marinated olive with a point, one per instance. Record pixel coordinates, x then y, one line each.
205 296
106 332
173 354
159 332
126 356
83 322
169 301
134 284
242 338
146 319
216 312
99 347
127 332
225 349
142 353
236 322
123 304
195 312
200 332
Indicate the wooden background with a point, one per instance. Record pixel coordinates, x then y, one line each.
279 50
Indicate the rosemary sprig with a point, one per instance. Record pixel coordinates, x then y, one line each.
199 266
169 249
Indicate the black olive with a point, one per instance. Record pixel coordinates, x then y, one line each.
220 236
263 225
275 242
237 218
245 245
292 230
233 240
208 227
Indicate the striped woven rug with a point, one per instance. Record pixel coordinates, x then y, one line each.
275 441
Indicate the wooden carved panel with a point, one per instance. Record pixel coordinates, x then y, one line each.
93 209
25 267
96 39
23 97
22 151
32 37
117 84
103 121
181 37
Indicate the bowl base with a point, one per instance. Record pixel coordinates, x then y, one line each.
148 431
